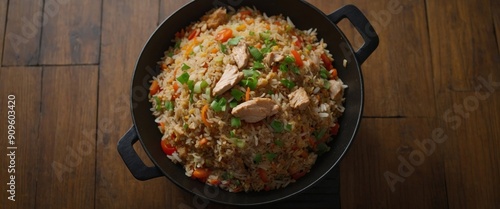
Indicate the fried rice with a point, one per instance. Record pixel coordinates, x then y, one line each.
246 101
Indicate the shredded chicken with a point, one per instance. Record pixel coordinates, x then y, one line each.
272 58
255 110
218 17
337 90
299 99
240 54
229 78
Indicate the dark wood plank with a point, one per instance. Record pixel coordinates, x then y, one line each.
463 42
167 7
3 17
382 147
22 33
495 6
472 158
72 32
66 161
24 83
115 185
397 66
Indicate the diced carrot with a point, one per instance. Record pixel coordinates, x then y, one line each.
263 175
267 26
334 73
304 154
175 86
298 42
250 21
204 115
215 181
298 175
335 129
163 66
193 34
275 68
203 141
247 94
201 173
326 61
224 35
241 27
298 60
215 50
154 88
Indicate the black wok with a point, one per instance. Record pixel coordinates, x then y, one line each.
304 16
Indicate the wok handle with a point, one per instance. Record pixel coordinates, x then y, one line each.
126 150
358 19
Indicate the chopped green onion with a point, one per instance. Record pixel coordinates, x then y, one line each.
265 35
170 54
232 134
183 79
223 48
256 54
258 65
235 122
199 85
323 73
277 126
190 84
186 126
251 33
320 133
239 143
251 73
177 44
185 67
250 82
322 148
233 104
309 47
287 83
219 105
284 67
237 94
279 143
234 41
257 158
288 127
271 156
158 103
169 105
295 69
326 84
289 60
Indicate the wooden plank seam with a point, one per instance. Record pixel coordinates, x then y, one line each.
452 116
32 27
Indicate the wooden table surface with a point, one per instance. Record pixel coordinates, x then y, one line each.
429 138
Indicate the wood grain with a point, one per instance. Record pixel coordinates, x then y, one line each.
472 158
3 17
22 33
27 120
66 158
168 7
115 185
464 45
422 169
400 73
72 32
495 6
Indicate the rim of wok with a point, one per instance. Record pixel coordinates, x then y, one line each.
150 136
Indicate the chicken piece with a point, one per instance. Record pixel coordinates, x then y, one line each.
218 17
299 99
229 78
240 55
272 58
255 110
336 90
